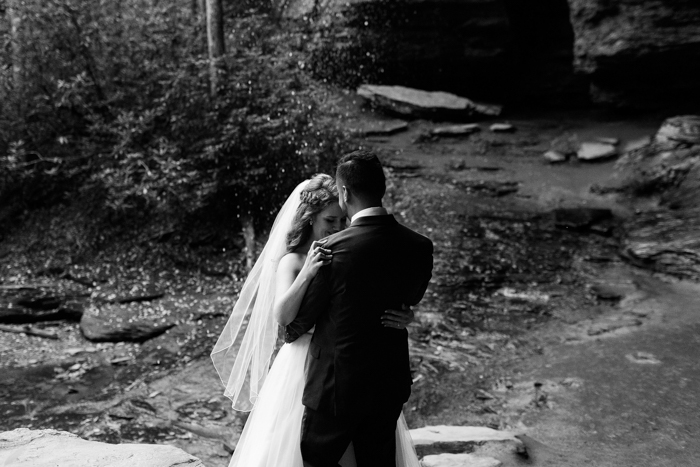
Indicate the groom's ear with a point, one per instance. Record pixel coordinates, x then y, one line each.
345 194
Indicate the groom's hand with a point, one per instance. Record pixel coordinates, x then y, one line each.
398 319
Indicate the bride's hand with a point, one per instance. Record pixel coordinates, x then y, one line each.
317 258
398 319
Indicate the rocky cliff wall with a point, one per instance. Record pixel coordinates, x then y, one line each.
566 52
639 52
496 50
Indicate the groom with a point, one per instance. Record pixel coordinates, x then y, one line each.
358 372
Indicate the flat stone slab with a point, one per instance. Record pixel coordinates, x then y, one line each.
379 127
455 130
457 439
415 103
554 157
502 128
459 460
50 448
595 151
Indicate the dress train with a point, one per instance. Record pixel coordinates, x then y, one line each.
272 434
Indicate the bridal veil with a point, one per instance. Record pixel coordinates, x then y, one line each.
243 352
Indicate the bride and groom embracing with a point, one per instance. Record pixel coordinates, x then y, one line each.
333 396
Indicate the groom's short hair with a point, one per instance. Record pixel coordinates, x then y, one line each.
362 173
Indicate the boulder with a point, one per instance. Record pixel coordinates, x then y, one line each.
459 460
50 448
663 238
665 241
416 103
680 129
140 321
458 439
595 151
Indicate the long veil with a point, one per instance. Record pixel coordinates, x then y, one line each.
243 369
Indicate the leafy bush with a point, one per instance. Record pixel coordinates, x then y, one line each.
123 108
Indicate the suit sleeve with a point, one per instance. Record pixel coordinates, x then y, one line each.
316 300
424 272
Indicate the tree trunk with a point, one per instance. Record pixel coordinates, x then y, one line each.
199 17
249 237
215 40
15 20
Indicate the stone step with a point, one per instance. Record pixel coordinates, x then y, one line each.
459 460
443 439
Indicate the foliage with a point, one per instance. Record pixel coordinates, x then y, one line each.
115 99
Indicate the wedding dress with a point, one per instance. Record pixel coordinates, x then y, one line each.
272 434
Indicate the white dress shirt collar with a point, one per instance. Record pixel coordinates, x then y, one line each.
373 211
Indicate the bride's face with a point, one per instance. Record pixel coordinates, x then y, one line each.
327 222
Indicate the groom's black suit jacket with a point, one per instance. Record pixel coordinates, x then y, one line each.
355 362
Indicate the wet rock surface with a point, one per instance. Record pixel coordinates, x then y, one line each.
44 448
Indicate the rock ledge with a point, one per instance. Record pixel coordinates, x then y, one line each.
50 448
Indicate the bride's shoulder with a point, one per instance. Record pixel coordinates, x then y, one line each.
292 260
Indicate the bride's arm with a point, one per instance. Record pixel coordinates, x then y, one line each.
293 277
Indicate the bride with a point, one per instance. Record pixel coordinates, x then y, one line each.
271 296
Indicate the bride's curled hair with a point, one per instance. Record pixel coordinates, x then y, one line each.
316 196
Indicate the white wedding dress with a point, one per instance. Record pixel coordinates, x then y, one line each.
272 435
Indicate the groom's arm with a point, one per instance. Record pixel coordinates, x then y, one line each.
316 300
